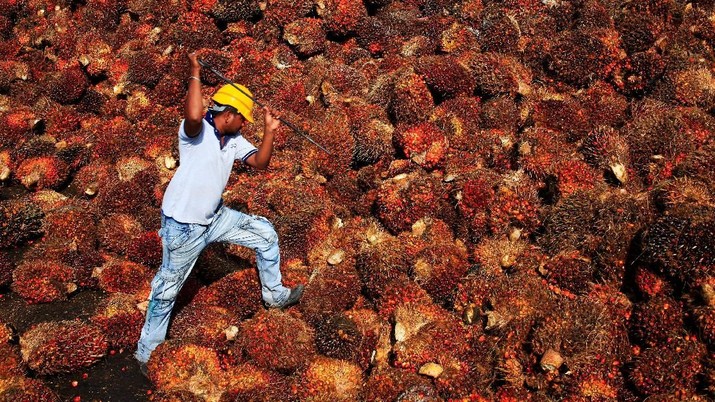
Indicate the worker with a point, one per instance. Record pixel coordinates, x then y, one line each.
192 211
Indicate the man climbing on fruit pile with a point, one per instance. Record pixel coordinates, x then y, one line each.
193 214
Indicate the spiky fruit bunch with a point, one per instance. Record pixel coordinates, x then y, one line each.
331 290
657 321
387 383
123 276
146 249
705 322
602 106
62 346
679 245
697 166
283 12
239 292
42 172
540 150
275 339
71 226
445 76
354 335
11 363
120 319
19 388
68 85
380 260
176 396
341 17
571 271
671 368
208 326
497 74
651 284
331 379
43 281
516 205
501 254
579 57
581 336
233 11
427 334
607 149
575 175
175 365
411 100
306 35
246 382
425 144
501 31
7 266
399 292
118 231
404 199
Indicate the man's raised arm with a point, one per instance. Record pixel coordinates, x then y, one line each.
194 107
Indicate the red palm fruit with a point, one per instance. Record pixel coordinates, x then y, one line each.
427 334
118 231
641 72
679 244
439 266
7 266
399 292
246 382
697 166
411 100
671 368
119 275
343 82
306 36
457 38
705 323
651 284
575 175
424 143
277 340
497 74
571 271
387 383
338 337
203 325
459 119
541 150
341 17
333 133
602 105
20 388
283 12
474 195
367 340
68 85
120 319
180 366
333 288
556 109
331 379
176 396
500 112
21 220
146 67
656 321
6 165
405 198
42 281
582 56
17 124
146 249
515 206
445 76
93 178
42 172
373 140
380 260
605 148
638 31
10 362
501 31
500 254
72 226
232 11
197 32
62 346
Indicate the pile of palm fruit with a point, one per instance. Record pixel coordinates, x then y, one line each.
519 203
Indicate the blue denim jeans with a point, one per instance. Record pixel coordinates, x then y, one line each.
183 242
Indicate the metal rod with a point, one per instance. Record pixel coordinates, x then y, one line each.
284 121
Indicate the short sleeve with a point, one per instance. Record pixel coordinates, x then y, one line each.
244 149
185 138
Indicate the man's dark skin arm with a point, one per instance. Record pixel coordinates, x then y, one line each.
262 158
194 106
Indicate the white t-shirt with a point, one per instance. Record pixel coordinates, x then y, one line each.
195 191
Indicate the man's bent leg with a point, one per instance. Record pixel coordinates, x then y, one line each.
258 234
182 244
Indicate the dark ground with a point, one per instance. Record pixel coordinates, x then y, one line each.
114 378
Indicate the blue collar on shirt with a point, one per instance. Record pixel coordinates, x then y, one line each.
209 118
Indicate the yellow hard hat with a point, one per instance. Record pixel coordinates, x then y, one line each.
230 96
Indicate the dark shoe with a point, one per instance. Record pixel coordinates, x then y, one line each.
293 298
144 370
